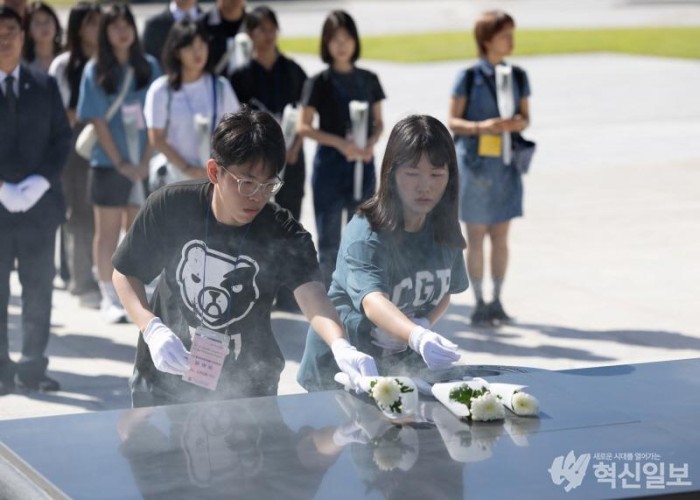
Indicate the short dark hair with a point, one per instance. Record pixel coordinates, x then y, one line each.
336 20
410 139
181 35
258 15
488 25
29 45
11 14
249 136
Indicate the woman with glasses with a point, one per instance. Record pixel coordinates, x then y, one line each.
222 250
184 105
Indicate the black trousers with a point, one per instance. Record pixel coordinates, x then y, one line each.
34 250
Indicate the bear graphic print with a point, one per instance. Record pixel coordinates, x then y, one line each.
217 288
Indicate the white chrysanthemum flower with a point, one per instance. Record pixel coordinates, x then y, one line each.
386 392
525 404
487 407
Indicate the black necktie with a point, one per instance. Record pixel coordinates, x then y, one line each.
10 94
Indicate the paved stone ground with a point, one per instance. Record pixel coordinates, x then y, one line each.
603 266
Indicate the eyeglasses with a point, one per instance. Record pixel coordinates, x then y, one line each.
248 187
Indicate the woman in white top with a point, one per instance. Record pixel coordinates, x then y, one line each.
184 105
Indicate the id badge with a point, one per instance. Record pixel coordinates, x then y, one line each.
207 356
132 114
490 145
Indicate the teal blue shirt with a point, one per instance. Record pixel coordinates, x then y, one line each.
411 268
94 103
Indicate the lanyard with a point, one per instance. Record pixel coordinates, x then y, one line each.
214 103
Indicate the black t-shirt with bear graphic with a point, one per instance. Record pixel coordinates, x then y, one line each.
217 276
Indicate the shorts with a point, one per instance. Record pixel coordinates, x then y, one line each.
109 188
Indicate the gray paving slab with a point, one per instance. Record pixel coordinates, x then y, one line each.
603 266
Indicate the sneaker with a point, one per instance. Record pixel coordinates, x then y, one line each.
480 316
112 313
497 314
41 384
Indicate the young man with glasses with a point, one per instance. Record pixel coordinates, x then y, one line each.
222 250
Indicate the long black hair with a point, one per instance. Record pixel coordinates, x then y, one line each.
410 139
182 35
79 14
108 68
29 45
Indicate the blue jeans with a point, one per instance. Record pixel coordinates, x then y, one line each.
332 184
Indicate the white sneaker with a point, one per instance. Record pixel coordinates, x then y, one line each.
112 313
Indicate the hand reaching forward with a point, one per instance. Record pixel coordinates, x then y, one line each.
437 352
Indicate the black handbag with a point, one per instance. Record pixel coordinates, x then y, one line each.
523 150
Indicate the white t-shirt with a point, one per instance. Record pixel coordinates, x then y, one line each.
192 99
58 71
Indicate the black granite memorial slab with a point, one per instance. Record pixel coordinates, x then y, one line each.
610 432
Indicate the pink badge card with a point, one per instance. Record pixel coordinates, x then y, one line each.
207 356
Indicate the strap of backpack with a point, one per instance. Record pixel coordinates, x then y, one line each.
518 78
468 85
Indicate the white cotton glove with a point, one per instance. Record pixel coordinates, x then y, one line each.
354 363
33 188
167 350
437 352
12 198
392 345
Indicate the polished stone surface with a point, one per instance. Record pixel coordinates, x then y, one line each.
284 447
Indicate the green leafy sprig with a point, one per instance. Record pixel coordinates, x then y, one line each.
464 394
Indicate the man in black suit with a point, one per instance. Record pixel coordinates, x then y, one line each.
34 141
157 27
